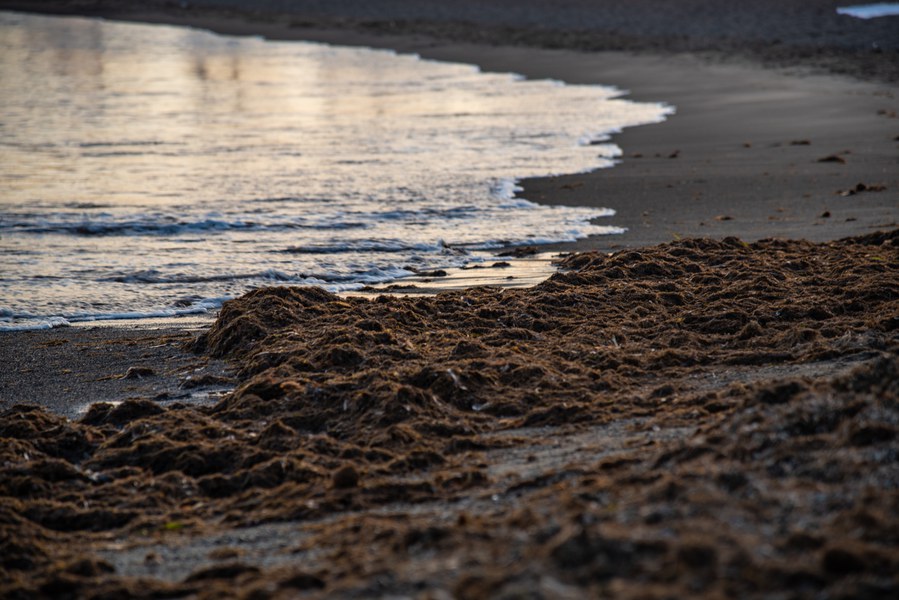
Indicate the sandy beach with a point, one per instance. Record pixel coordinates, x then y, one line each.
707 412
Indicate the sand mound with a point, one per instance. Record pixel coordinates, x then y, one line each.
690 419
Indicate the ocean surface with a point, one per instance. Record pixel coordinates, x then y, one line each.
150 171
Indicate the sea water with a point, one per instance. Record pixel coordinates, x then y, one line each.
870 11
151 170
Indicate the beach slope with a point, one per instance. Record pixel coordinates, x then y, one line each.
707 418
703 413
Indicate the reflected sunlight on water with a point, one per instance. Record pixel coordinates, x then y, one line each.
155 170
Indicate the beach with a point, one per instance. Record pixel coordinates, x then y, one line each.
768 136
709 411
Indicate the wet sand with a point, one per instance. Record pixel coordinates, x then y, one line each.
65 370
702 418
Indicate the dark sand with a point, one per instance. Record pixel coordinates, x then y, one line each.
774 32
701 419
65 370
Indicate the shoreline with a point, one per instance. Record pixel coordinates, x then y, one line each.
741 156
690 417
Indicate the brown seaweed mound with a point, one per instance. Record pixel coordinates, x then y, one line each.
698 418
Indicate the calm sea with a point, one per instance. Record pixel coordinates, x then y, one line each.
152 171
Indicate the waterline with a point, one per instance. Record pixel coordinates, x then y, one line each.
148 168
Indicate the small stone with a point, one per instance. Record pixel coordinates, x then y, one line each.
345 477
520 252
840 561
435 273
872 433
698 556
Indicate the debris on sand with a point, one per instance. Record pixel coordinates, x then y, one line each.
519 252
708 418
862 187
138 373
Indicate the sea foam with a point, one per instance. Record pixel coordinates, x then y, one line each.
870 11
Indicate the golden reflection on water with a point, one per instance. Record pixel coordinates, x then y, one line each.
86 104
140 114
141 165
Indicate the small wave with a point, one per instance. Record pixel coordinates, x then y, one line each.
388 247
283 200
164 227
154 276
200 307
125 153
12 321
195 309
48 323
86 205
268 276
127 143
505 189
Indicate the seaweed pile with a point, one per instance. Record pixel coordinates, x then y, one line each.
701 418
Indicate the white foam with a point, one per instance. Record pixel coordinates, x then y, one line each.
505 189
199 307
36 325
870 11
